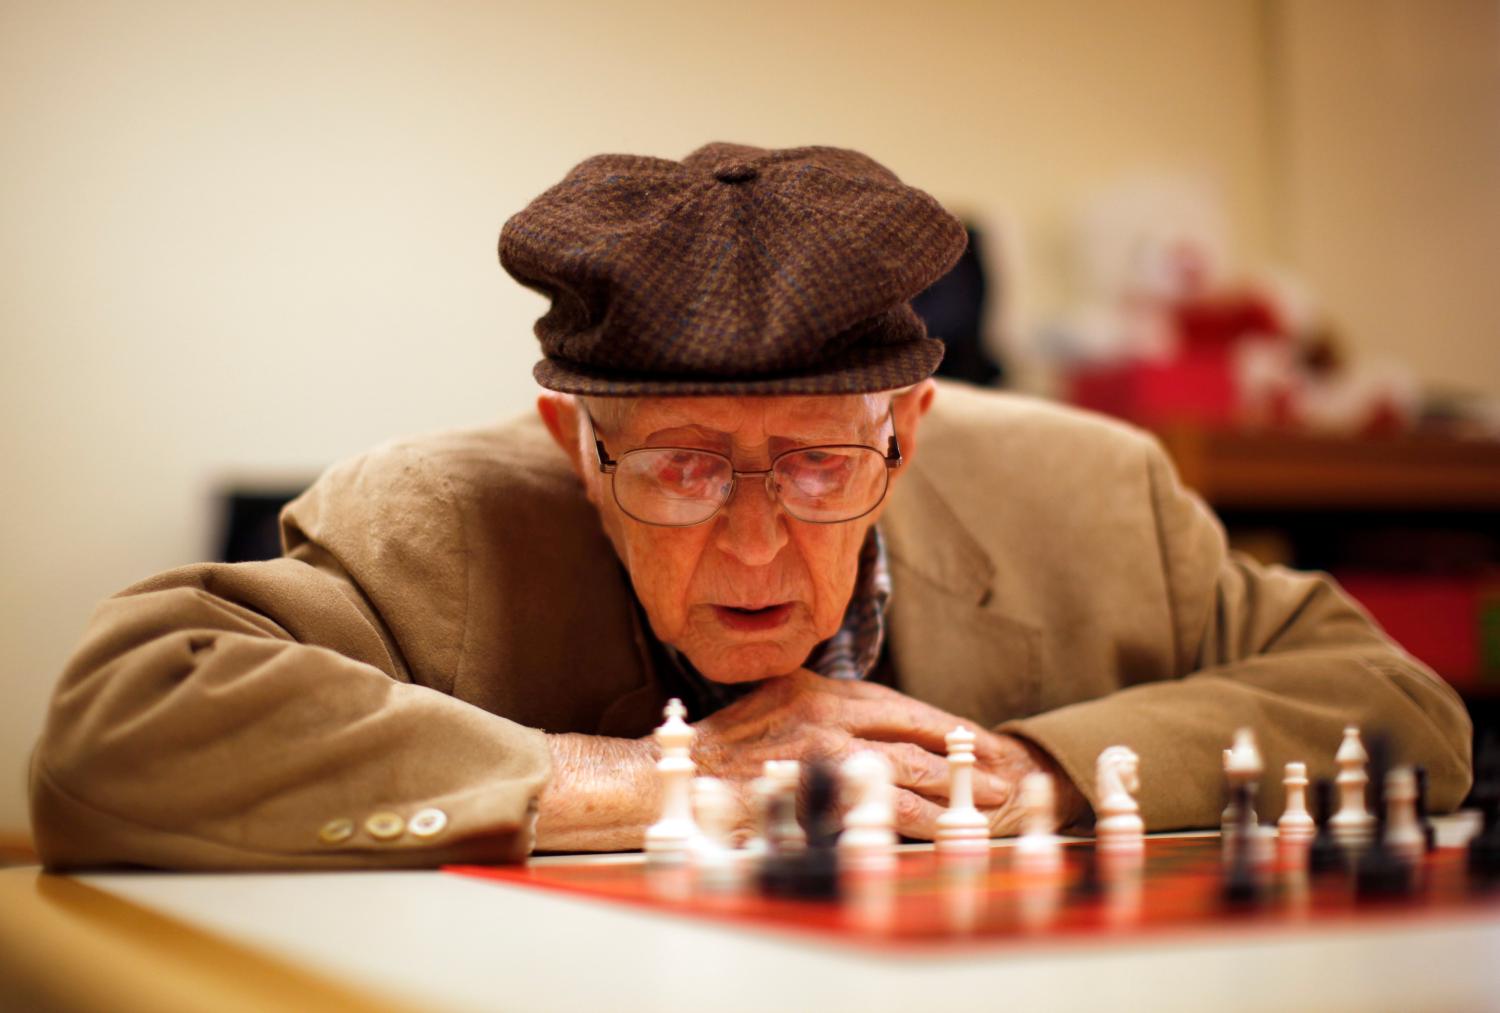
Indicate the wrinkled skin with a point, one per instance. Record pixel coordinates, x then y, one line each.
752 555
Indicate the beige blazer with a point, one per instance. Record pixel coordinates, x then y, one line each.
444 600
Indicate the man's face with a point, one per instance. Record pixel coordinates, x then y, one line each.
748 593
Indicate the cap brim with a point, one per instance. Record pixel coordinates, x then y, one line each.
862 370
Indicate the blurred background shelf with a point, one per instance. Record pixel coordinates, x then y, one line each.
1248 470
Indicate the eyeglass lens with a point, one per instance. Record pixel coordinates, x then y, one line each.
821 485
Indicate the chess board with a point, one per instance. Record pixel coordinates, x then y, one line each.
934 902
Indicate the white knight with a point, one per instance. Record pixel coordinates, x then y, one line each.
1119 829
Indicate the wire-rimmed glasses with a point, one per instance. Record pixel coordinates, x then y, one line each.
682 486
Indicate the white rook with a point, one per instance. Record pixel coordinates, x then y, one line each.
670 839
962 829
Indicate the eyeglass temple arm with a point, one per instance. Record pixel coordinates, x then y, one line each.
606 463
893 453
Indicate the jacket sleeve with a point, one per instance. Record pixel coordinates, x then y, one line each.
1285 653
259 715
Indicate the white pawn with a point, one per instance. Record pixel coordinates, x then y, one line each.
962 829
1119 829
714 859
1403 833
670 839
1242 766
1296 824
1038 849
868 842
1352 825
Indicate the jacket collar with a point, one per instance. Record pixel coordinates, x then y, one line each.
925 536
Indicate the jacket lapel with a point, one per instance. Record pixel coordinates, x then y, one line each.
952 645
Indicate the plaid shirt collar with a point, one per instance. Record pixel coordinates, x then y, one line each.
851 653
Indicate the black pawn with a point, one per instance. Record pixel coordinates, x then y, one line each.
813 872
776 868
1484 849
1325 854
1240 885
820 789
1380 871
1429 834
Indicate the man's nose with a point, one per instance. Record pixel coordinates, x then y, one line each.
751 527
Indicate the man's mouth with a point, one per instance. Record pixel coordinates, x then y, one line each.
746 619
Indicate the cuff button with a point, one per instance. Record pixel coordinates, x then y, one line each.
428 823
384 826
336 831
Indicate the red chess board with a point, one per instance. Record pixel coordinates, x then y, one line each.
929 901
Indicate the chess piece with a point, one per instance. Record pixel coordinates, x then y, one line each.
714 859
1119 829
670 839
1353 824
1484 848
1038 850
1429 832
868 843
962 829
1403 832
784 832
762 790
809 872
1380 870
1296 824
1325 854
1241 884
1242 766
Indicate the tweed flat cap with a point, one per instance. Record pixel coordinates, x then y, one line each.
738 270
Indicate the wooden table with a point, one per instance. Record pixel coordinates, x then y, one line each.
433 941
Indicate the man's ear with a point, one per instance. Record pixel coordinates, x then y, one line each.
559 413
908 408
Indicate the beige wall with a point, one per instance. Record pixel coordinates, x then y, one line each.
251 238
1387 133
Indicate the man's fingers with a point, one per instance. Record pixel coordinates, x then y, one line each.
1004 821
888 716
916 816
912 767
928 774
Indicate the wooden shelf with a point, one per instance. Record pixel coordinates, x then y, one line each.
1280 470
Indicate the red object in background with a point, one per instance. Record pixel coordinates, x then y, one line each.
1197 386
1223 321
1436 618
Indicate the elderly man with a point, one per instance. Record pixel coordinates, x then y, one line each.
745 491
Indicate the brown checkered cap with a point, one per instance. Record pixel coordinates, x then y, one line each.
738 270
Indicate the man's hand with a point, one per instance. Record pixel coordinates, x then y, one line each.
604 792
806 717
